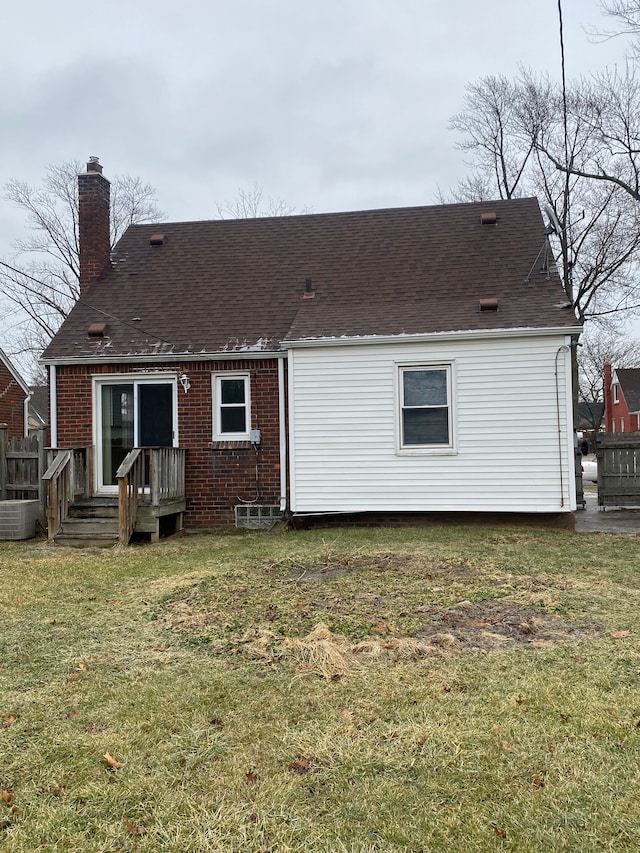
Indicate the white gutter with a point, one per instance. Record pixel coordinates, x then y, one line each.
53 406
283 436
171 358
434 337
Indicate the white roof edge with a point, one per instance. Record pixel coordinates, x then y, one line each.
4 358
476 334
240 355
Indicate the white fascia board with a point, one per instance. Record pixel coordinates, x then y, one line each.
435 337
5 360
172 358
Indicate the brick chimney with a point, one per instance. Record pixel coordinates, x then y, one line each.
93 224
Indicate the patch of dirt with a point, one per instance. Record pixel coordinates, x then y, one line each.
330 568
379 607
498 624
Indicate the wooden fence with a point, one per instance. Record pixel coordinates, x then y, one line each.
22 464
618 457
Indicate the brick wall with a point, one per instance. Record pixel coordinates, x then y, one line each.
12 399
616 415
216 479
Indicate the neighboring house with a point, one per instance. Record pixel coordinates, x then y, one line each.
383 361
621 399
14 394
590 415
38 407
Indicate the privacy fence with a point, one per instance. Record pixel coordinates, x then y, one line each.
618 457
22 464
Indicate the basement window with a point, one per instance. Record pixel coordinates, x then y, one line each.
425 416
231 407
257 516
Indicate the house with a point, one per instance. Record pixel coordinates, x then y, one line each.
14 396
590 415
38 407
621 399
380 361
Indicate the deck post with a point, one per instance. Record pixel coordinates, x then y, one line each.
42 467
4 438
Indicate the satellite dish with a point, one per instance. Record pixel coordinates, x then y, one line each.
554 224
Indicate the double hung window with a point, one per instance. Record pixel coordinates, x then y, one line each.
231 406
425 407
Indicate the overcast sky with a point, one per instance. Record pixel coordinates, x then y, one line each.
332 105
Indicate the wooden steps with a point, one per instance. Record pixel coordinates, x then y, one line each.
90 522
94 522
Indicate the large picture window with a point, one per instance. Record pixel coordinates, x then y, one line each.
425 407
231 406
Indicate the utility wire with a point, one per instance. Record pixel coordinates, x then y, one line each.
86 304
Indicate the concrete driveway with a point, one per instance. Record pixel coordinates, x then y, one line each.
595 519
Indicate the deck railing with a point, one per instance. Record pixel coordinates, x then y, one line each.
147 475
130 484
67 477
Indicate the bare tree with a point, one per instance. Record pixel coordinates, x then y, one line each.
600 345
491 126
251 203
627 13
40 280
608 105
515 135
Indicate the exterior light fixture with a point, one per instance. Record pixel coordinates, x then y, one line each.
184 381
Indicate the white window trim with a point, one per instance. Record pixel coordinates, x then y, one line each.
616 392
216 379
449 449
135 379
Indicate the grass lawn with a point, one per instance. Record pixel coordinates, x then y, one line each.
435 689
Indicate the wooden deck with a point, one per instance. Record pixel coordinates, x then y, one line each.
151 497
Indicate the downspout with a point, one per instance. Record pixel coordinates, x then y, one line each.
27 399
562 348
283 436
53 407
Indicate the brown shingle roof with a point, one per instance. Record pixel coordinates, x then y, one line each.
238 285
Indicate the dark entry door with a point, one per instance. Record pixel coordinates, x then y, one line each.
155 415
134 414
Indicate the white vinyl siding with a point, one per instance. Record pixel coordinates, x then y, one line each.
344 429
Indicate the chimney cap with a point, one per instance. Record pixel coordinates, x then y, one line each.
94 164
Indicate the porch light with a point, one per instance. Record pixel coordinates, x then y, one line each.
184 381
